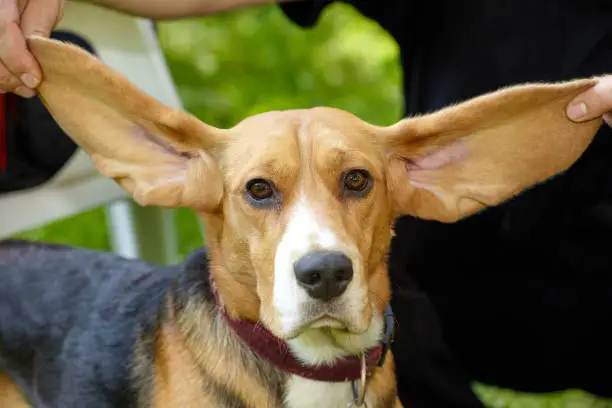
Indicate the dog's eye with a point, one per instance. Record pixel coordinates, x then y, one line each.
356 180
259 189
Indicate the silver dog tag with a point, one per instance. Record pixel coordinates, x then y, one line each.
358 400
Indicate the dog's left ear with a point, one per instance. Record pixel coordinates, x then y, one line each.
459 160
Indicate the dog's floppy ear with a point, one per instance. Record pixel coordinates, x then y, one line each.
161 156
459 160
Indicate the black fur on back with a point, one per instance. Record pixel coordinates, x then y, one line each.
70 319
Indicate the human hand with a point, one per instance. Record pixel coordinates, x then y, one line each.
19 19
593 103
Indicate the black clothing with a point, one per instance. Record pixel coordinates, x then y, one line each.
520 295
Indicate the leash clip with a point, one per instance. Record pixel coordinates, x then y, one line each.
359 391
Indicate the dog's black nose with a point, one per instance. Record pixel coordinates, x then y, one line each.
324 274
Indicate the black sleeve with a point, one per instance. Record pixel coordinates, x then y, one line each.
304 12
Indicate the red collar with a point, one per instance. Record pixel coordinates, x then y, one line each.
276 352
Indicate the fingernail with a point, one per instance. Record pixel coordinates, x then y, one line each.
35 35
577 110
24 92
29 80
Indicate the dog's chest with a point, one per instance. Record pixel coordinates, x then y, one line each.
303 393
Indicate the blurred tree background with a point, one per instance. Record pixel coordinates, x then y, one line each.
230 66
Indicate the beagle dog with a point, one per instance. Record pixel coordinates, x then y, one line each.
288 305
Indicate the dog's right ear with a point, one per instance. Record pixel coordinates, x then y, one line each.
161 156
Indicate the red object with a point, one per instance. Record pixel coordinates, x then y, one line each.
3 126
276 352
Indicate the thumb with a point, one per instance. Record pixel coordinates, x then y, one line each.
593 103
40 17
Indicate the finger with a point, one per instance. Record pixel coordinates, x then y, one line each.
592 103
9 17
21 5
9 83
16 57
60 13
10 11
608 118
38 20
40 17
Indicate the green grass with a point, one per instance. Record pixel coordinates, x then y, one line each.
234 65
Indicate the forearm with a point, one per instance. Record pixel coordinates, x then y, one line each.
174 9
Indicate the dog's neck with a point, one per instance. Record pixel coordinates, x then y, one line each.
277 352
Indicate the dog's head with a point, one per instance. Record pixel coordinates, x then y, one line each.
299 204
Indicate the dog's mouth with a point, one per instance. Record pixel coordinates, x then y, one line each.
327 322
330 324
326 337
333 329
324 324
342 316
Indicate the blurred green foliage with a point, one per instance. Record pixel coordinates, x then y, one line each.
230 66
246 62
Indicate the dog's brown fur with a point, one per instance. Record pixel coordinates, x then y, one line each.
10 395
443 166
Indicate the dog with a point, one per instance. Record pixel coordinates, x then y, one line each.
288 304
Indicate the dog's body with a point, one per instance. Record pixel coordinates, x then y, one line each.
86 328
298 207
